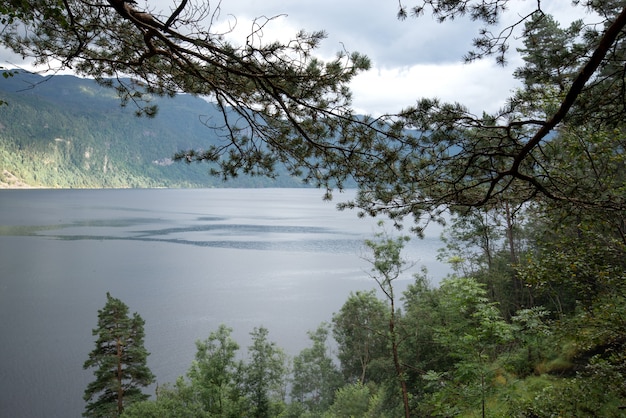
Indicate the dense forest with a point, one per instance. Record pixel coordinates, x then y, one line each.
69 132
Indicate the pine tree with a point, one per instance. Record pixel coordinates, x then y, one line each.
120 359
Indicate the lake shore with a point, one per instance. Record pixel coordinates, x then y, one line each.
10 181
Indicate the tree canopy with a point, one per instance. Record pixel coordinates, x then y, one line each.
282 105
120 360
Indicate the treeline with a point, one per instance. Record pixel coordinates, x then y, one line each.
65 131
531 324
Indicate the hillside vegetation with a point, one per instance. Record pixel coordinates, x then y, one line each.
65 131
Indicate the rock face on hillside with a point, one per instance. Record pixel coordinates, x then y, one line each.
64 131
9 181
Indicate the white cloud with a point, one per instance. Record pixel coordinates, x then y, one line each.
370 27
481 85
10 60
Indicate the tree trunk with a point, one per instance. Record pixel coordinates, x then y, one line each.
120 389
396 360
518 286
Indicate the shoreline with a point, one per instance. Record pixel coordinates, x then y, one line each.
10 181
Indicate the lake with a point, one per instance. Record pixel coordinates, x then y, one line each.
185 260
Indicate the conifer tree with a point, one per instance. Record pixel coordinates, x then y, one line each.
120 361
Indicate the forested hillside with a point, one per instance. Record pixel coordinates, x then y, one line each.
65 131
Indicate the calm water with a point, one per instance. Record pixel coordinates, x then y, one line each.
186 260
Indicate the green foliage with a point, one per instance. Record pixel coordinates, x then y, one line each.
474 333
451 350
279 101
580 263
387 262
470 314
315 376
535 341
387 265
264 376
81 138
360 329
550 54
599 394
120 361
455 159
171 402
215 376
458 356
351 400
486 244
421 351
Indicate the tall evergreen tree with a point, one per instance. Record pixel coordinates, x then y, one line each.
120 361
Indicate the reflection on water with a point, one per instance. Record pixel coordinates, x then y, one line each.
186 260
215 234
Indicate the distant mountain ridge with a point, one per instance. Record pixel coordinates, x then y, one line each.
65 131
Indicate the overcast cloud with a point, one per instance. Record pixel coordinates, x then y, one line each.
411 59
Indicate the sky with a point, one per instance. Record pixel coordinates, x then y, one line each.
411 59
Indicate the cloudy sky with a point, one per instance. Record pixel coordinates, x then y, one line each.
411 59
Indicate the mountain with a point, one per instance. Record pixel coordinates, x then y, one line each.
65 131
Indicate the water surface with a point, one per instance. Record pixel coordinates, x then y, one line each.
186 260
